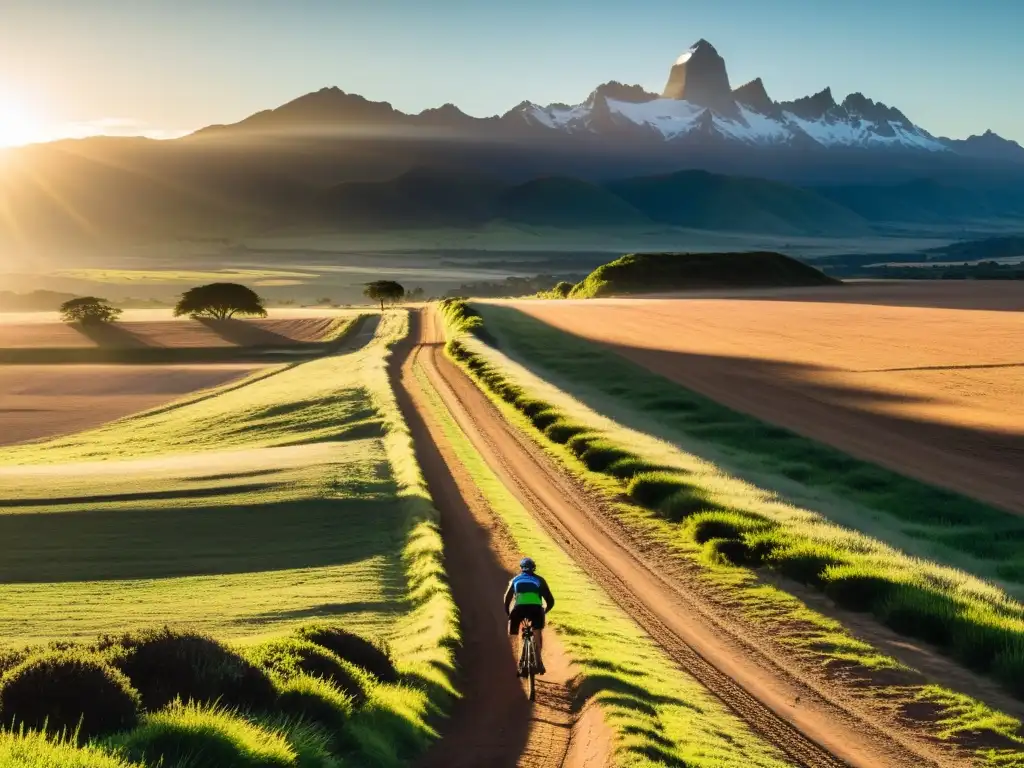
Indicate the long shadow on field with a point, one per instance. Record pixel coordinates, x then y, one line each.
111 335
247 333
100 544
749 414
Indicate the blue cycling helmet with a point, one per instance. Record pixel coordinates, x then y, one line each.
527 564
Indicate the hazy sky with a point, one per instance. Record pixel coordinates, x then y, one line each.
165 66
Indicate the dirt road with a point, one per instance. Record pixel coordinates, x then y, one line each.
933 392
806 723
493 724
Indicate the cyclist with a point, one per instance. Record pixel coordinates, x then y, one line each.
532 600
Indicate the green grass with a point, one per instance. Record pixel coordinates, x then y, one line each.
245 512
659 714
679 498
35 750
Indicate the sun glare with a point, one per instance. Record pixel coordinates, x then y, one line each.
17 126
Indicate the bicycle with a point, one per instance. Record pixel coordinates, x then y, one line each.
528 656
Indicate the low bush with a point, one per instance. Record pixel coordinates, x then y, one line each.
651 489
685 503
977 640
704 526
287 657
1009 668
579 444
351 648
205 737
544 419
531 407
803 561
317 701
731 551
627 469
601 454
68 693
857 588
917 611
166 664
33 749
311 744
562 431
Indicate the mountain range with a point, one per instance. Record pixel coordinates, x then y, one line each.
700 154
697 108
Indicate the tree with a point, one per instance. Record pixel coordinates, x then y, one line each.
384 290
220 301
416 294
88 310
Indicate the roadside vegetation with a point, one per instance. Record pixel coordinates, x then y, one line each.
659 715
282 526
731 531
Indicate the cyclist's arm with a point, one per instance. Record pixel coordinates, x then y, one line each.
545 593
509 594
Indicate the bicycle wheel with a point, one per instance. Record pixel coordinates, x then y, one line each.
531 661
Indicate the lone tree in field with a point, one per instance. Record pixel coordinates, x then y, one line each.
384 290
221 301
88 310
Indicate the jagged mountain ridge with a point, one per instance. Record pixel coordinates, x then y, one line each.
699 104
698 107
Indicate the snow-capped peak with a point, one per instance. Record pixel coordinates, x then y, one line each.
698 103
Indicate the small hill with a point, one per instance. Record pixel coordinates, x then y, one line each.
659 272
703 200
565 202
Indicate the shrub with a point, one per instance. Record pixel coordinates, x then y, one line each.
310 742
68 692
31 749
1008 668
601 454
531 407
856 587
805 562
628 468
166 664
650 489
722 525
351 648
544 419
580 444
11 658
205 737
733 551
562 431
287 657
978 638
685 503
917 611
317 701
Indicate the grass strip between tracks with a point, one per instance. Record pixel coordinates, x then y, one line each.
659 714
725 527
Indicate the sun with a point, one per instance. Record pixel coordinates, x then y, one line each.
17 125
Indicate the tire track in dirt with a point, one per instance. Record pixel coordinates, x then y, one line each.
494 723
807 725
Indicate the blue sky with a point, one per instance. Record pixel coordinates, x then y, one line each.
162 66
